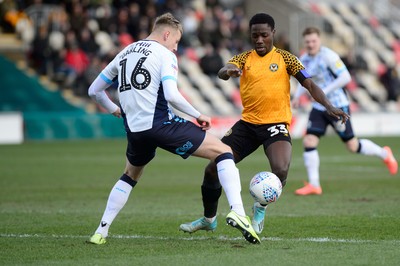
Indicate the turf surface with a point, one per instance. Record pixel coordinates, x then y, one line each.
52 196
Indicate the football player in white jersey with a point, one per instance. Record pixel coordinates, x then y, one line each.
147 73
329 72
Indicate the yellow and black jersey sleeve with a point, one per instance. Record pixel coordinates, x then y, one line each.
240 59
294 66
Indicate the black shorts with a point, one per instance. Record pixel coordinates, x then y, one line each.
244 138
318 122
177 136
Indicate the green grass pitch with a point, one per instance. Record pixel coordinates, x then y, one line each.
52 196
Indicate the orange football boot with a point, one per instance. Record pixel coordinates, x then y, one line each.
390 161
308 189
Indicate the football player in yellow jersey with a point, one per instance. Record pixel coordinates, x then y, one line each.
265 92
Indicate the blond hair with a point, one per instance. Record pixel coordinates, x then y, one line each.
169 20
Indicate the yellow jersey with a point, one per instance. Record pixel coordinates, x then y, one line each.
265 85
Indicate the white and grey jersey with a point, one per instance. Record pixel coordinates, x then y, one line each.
324 67
141 69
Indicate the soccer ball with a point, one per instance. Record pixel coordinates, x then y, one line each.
265 187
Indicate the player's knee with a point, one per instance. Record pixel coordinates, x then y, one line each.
310 140
225 148
353 145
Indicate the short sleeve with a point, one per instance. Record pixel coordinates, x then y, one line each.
240 59
294 67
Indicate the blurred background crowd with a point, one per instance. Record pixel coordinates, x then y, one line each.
71 41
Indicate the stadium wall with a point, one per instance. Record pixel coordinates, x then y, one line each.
364 124
18 127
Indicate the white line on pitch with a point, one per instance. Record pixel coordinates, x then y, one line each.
307 239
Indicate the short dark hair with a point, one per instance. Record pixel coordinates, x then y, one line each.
311 30
262 18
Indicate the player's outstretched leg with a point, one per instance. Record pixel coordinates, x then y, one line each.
199 224
243 224
258 217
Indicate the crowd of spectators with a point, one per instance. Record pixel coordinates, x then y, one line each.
71 41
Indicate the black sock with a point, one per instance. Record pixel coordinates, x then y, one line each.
210 200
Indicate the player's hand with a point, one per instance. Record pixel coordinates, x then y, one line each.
234 72
117 113
339 114
204 122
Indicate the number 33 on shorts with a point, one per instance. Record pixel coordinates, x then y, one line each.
280 128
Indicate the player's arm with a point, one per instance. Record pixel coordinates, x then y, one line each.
319 96
97 93
169 76
296 68
343 76
234 67
175 98
229 70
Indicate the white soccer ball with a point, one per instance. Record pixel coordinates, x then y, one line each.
265 187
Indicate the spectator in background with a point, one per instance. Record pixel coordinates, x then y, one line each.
134 20
75 61
39 14
208 28
124 38
238 27
282 42
102 28
391 82
104 15
93 70
10 14
87 42
78 19
59 19
211 62
190 24
40 51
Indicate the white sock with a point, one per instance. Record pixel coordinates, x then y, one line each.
116 200
229 178
210 220
311 162
371 149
